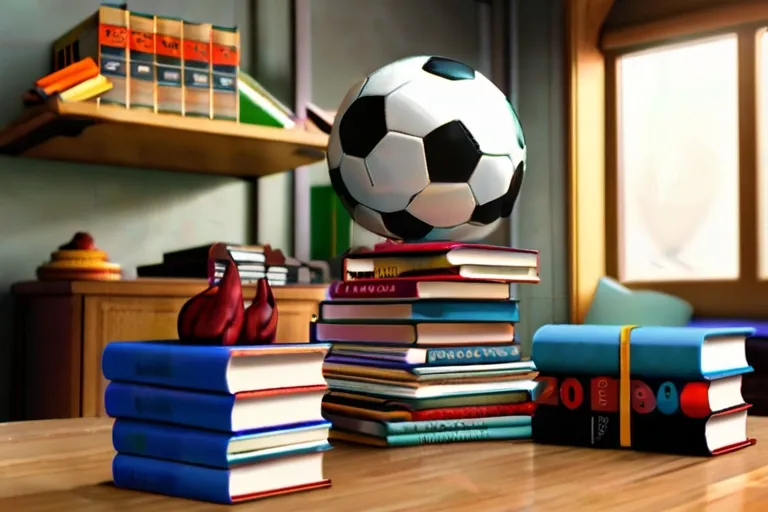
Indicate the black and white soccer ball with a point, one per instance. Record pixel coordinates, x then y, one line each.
427 148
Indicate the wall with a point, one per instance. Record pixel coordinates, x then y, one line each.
542 208
135 215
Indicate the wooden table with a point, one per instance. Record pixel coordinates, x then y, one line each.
64 465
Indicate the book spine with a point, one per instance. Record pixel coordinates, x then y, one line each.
169 67
473 355
522 409
114 56
388 289
193 368
142 59
417 427
160 441
459 436
171 478
203 410
601 394
225 66
196 54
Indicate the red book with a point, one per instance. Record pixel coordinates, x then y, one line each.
430 287
444 260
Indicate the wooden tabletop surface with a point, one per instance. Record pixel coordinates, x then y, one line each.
64 465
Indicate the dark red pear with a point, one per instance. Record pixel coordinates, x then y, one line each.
215 316
260 326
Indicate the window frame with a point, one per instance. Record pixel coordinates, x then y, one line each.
709 298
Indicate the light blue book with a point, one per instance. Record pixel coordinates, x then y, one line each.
397 428
447 436
424 310
682 353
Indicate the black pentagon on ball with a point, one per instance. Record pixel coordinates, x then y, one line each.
508 200
362 126
405 226
337 182
452 153
449 69
487 213
500 207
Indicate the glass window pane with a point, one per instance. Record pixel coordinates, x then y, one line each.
762 146
678 172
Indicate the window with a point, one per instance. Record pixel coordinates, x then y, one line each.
678 162
686 166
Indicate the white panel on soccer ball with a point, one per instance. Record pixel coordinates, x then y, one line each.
420 106
491 178
465 233
397 169
488 116
390 77
371 221
443 205
334 141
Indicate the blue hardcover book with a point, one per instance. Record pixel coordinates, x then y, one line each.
396 428
243 483
424 310
684 353
216 449
439 356
446 436
215 368
241 412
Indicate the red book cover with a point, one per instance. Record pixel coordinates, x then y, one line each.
685 418
455 260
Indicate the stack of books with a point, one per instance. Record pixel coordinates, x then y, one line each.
253 262
217 424
423 345
662 389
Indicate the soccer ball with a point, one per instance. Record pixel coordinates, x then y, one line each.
427 148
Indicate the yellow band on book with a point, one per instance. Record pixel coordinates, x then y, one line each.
625 387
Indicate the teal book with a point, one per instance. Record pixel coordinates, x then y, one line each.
446 436
675 353
423 310
399 428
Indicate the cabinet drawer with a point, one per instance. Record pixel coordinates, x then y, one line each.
114 319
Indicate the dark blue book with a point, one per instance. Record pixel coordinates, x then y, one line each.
425 310
217 449
215 368
244 483
225 413
681 353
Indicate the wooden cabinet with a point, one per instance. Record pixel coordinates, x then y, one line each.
62 328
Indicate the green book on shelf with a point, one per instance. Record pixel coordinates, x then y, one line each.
259 107
330 224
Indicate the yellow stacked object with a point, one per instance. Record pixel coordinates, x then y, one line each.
79 260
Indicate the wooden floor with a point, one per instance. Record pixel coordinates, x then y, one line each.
64 465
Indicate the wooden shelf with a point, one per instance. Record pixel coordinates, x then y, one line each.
108 135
